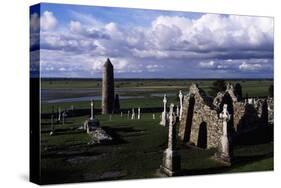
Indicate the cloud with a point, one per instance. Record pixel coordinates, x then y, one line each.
250 67
48 21
212 42
75 26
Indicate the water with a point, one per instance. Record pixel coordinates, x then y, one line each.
87 98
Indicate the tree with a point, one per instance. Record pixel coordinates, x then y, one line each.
238 91
217 86
271 91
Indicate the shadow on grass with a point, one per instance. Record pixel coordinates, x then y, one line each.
114 132
237 162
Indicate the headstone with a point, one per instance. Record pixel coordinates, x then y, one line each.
171 163
181 104
59 115
92 123
250 101
121 114
133 113
224 153
92 109
63 117
107 88
52 125
139 115
110 117
164 113
153 116
128 116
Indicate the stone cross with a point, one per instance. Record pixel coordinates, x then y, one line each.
133 113
139 115
171 159
63 117
92 109
59 115
171 141
52 125
224 153
164 113
165 103
181 101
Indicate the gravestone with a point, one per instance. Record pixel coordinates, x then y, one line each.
133 114
181 104
224 151
171 163
153 116
107 88
139 113
59 115
164 113
63 117
128 116
52 125
92 123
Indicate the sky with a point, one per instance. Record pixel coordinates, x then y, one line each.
75 41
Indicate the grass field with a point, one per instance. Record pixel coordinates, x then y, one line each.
138 145
143 93
136 152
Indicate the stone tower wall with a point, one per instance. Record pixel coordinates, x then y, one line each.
107 88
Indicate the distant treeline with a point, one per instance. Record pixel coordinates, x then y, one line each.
166 79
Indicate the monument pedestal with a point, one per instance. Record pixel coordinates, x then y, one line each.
171 163
223 153
163 121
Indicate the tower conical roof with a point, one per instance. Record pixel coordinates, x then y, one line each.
108 63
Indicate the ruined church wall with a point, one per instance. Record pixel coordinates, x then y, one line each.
203 113
189 130
239 110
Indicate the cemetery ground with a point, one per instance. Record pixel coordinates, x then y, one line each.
137 147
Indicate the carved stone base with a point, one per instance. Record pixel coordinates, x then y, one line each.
164 121
171 164
223 158
91 124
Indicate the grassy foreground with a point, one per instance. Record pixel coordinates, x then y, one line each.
136 152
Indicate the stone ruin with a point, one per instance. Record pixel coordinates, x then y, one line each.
201 125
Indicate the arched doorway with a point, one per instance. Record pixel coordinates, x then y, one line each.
202 135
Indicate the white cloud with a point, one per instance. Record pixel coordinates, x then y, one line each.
210 64
48 21
250 67
217 42
75 26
